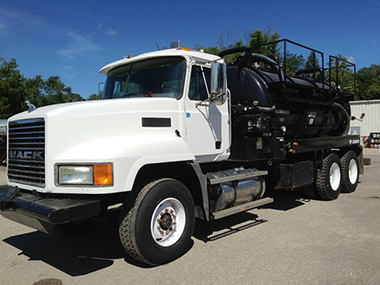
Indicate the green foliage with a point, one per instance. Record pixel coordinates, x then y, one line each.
211 49
216 51
11 88
94 97
341 74
368 83
312 61
15 89
294 62
259 42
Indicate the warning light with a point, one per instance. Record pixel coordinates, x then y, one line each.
102 174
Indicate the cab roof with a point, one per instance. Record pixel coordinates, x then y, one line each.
186 53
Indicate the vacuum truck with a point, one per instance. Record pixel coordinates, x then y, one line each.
178 135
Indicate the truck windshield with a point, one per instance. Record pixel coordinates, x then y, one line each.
157 77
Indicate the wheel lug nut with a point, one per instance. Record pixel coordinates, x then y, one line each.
171 211
166 210
162 213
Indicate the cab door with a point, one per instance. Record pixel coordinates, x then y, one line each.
207 124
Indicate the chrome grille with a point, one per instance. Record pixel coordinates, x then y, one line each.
26 153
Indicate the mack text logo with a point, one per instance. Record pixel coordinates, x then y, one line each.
29 155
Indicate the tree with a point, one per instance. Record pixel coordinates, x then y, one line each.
259 41
368 82
15 89
47 92
35 91
95 97
73 97
341 74
294 62
11 88
56 91
312 61
211 49
256 40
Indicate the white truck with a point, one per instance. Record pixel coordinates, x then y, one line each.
178 135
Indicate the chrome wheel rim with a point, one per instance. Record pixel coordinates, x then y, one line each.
335 176
168 222
353 171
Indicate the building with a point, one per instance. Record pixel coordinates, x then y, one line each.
371 121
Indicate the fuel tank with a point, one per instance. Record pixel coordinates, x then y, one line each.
235 192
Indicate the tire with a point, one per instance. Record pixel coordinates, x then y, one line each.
350 171
329 177
157 226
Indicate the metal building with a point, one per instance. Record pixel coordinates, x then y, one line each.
371 121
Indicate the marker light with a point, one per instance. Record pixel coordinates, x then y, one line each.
102 174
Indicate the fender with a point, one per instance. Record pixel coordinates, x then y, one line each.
128 155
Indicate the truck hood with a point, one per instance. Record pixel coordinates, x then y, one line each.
71 125
129 133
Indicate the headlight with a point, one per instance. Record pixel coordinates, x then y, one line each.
96 175
82 175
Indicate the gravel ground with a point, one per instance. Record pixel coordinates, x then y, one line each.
292 241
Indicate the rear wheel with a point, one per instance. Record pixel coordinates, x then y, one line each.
157 226
329 177
350 171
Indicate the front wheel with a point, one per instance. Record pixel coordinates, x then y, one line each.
329 177
157 226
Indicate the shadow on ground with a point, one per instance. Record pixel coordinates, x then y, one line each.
86 253
283 201
74 255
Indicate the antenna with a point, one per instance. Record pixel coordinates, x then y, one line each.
158 47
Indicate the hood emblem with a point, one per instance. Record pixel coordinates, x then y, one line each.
31 107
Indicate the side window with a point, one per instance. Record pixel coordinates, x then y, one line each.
198 90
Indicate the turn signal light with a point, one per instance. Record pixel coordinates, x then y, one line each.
103 174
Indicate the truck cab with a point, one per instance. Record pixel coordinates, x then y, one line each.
181 76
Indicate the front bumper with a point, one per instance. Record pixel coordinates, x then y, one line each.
42 213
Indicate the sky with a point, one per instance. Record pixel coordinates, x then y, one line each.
73 39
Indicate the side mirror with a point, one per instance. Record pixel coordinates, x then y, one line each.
100 86
218 86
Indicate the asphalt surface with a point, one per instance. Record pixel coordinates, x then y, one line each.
292 241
